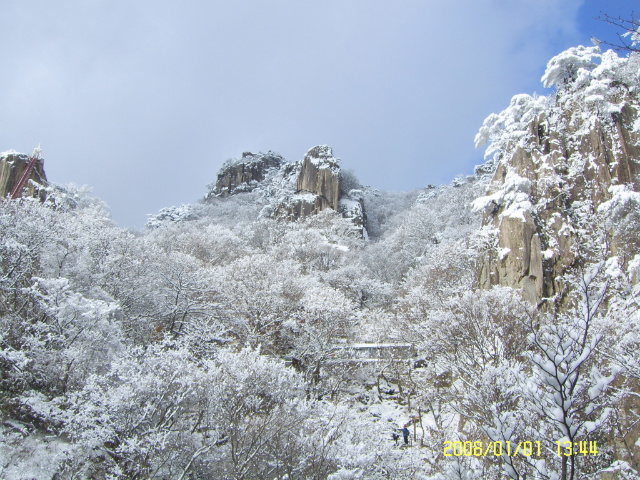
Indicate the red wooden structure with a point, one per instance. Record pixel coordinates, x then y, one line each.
17 188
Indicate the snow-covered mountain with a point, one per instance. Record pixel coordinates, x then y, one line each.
273 331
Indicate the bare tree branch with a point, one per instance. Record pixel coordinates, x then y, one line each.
628 27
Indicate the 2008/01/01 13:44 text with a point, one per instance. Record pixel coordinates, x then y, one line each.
499 448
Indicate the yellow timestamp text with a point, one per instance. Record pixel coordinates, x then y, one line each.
511 449
497 449
582 447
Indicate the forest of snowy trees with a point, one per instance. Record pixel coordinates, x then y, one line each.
220 343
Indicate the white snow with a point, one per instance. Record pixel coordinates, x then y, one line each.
548 254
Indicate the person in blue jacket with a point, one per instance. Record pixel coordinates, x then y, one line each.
405 434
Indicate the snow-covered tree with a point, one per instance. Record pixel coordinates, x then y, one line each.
569 386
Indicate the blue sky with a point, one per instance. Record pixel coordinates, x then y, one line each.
144 101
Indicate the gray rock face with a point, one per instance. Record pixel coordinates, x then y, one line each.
549 184
319 187
244 175
320 174
12 165
300 206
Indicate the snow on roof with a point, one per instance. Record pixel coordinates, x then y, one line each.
376 345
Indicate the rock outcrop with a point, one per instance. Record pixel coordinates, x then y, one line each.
557 163
317 185
293 190
12 166
320 175
245 174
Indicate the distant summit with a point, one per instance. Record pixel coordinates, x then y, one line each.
292 190
243 175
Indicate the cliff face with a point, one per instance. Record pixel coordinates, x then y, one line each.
317 185
557 163
320 175
244 175
12 166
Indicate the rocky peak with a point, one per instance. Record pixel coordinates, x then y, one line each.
319 187
243 175
12 166
292 190
320 175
